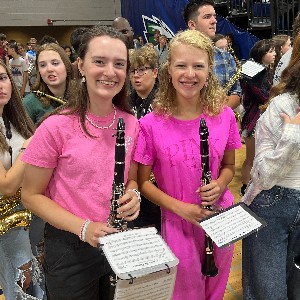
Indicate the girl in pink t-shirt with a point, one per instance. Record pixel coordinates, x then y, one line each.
168 144
70 170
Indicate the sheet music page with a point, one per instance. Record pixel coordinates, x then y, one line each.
153 286
231 225
251 68
137 249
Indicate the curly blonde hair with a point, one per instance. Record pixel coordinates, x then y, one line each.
212 97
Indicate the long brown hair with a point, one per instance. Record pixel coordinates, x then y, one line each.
15 114
40 85
290 79
79 100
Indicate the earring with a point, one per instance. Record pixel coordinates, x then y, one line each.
83 79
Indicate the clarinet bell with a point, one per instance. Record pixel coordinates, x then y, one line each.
209 267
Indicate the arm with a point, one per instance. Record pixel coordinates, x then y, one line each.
12 179
211 192
273 161
130 204
35 183
190 212
233 101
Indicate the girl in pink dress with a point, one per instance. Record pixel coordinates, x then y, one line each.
168 145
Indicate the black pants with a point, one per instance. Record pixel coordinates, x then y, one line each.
74 270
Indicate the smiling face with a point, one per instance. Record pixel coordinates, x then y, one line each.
5 88
206 21
52 69
104 67
189 69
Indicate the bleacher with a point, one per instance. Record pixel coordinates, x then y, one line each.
263 18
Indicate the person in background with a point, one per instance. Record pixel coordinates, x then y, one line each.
69 52
123 26
269 270
54 78
200 15
220 42
255 93
282 43
19 69
23 53
20 272
143 77
141 40
79 136
75 41
3 47
284 61
32 46
47 39
169 145
162 49
156 35
232 44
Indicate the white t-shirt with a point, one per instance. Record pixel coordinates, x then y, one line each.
283 63
18 67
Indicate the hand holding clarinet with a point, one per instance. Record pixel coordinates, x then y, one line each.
210 191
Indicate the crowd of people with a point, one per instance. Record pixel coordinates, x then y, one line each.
59 107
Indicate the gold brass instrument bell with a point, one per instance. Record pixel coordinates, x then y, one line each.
9 217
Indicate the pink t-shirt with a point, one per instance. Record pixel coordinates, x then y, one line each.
172 147
83 166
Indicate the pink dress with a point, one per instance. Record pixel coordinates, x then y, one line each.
172 148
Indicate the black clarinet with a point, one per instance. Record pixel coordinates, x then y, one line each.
118 186
209 267
118 190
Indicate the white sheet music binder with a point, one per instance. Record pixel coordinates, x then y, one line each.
154 286
144 264
251 68
231 225
137 252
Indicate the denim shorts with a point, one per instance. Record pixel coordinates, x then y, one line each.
15 251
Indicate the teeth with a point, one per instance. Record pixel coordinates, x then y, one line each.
107 82
188 84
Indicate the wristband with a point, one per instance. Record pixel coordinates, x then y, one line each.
138 194
83 230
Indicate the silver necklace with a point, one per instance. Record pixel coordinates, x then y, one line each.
103 127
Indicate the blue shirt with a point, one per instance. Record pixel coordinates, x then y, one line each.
224 68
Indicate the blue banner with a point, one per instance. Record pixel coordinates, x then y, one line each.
166 15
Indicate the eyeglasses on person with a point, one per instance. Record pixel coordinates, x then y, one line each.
140 71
